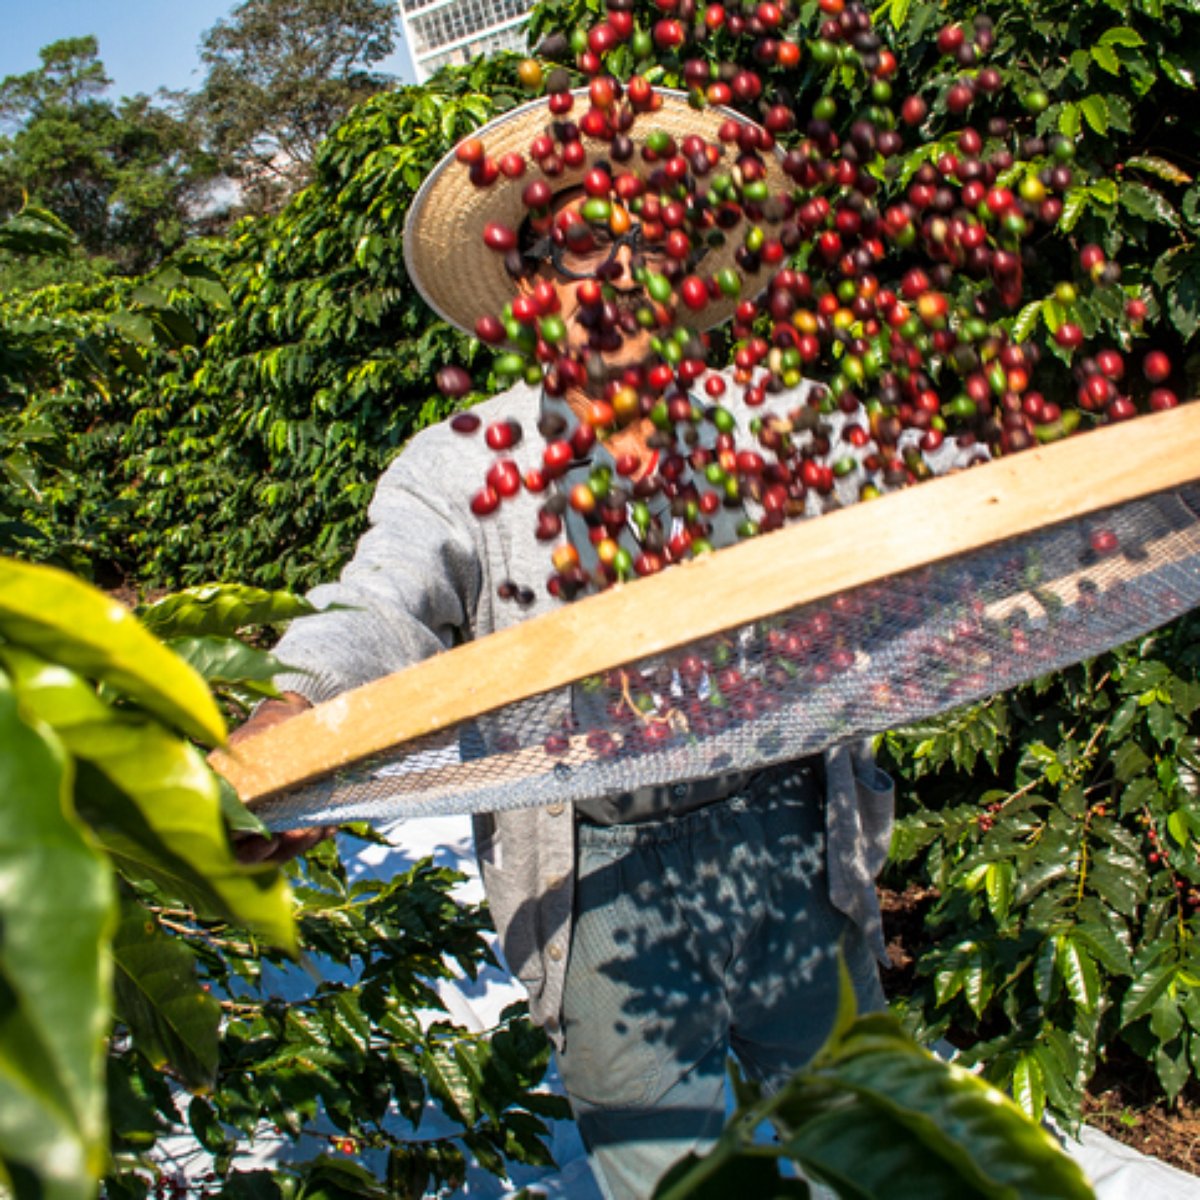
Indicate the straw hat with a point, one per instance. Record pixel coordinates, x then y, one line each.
462 279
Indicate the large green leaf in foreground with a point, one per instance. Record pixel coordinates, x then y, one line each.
876 1117
67 621
153 802
56 908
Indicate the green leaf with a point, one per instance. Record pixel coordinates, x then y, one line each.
1095 112
1108 941
449 1084
1026 321
56 913
1078 971
68 621
1160 719
1000 888
1054 314
1145 991
1121 35
154 802
173 1020
1069 120
1183 300
1154 165
896 11
135 327
221 610
1180 71
1106 58
1166 1017
1172 1068
1119 885
1120 113
1179 825
918 1124
1148 204
220 660
1029 1085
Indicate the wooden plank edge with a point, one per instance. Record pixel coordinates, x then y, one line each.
420 782
802 563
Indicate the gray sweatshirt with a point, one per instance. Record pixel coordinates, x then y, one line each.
423 578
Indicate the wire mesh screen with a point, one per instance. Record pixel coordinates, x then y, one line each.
905 649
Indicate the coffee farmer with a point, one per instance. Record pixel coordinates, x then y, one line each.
661 930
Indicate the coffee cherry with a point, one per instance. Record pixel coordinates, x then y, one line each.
499 237
1069 335
1156 366
529 72
960 97
469 151
454 382
694 292
465 423
485 501
503 435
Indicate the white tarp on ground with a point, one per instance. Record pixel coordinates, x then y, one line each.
1116 1171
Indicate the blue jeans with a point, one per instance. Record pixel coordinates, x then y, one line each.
696 937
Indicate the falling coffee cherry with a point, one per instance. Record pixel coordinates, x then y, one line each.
1069 335
502 435
900 305
1156 366
453 382
465 423
498 236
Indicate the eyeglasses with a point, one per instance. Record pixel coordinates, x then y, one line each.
595 255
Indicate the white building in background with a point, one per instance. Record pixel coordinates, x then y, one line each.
438 32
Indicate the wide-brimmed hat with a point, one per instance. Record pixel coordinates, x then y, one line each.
462 279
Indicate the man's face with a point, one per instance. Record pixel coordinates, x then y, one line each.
599 263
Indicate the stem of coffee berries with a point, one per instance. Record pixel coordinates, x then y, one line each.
1083 858
1159 857
672 717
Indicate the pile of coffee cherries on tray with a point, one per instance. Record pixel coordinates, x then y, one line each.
882 247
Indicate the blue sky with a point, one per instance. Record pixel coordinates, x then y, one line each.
144 44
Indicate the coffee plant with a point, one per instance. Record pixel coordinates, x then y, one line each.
1058 825
276 371
148 982
107 803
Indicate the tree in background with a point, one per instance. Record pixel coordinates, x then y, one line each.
281 74
128 177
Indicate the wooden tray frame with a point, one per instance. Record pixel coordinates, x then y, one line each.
802 563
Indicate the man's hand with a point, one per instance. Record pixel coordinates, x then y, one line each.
270 712
280 847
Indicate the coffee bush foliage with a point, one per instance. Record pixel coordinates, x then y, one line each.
226 418
163 1004
1058 828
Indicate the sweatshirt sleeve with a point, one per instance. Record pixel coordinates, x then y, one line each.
410 590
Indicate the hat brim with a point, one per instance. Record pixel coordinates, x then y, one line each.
462 279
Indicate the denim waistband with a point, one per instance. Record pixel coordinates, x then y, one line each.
789 783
